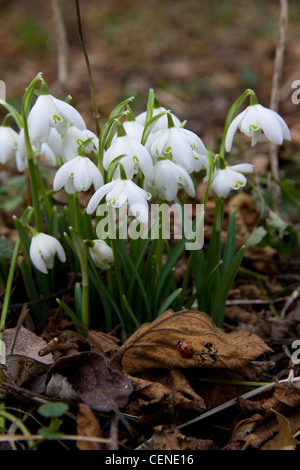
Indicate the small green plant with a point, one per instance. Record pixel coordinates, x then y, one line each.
54 411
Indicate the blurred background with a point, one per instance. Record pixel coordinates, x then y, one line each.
198 55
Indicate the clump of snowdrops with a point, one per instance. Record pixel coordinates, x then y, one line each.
123 267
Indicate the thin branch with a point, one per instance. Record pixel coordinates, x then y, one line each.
274 102
96 114
62 43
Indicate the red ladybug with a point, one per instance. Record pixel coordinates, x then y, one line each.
185 348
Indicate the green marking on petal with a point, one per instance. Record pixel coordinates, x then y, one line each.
252 128
56 118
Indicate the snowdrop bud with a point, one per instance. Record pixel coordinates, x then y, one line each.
77 175
101 254
256 119
42 251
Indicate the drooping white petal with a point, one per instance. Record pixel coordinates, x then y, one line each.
21 157
8 143
42 250
62 175
36 257
98 196
71 115
39 120
270 125
235 123
49 154
242 167
55 142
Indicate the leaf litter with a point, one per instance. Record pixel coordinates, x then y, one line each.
144 383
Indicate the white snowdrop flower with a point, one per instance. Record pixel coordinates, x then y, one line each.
77 175
179 145
73 139
162 122
134 129
42 251
101 254
131 154
256 119
8 143
46 150
48 112
37 149
54 141
231 177
119 192
169 177
21 156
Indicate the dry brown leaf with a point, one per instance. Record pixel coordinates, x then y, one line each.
87 425
170 438
284 439
22 360
170 385
261 430
102 343
153 345
284 397
88 376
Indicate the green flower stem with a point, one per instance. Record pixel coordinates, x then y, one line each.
34 194
74 210
19 423
30 155
218 221
231 115
85 304
160 244
81 251
43 191
10 279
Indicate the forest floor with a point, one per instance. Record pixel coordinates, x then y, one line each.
236 395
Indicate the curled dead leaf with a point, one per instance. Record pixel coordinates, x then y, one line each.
153 345
170 438
169 387
87 376
87 425
22 360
